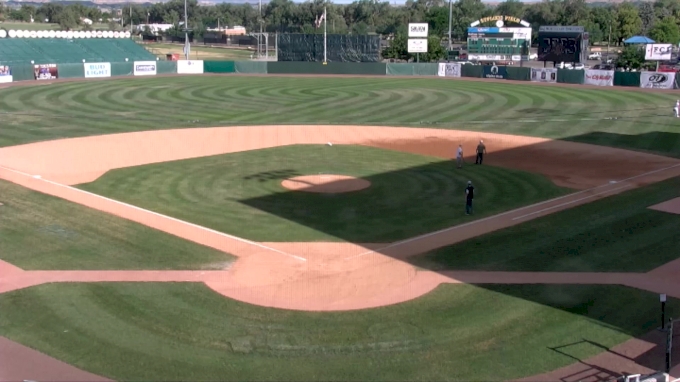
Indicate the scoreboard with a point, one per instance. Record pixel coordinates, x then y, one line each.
497 43
562 44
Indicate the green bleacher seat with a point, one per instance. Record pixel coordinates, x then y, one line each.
60 51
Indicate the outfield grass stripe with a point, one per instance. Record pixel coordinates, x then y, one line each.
99 107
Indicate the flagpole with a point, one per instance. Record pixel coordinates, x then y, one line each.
324 35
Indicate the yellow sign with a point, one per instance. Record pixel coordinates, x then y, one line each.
511 19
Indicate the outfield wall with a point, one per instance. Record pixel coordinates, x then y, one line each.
30 72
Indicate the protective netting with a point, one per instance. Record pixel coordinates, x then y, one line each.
339 48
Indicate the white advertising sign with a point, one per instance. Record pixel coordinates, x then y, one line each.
97 69
190 66
417 45
517 33
493 57
657 80
658 52
449 69
544 75
417 29
144 68
599 77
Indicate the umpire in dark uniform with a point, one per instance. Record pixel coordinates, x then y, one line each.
481 149
469 195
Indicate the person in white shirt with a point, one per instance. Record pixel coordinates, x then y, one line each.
459 156
676 109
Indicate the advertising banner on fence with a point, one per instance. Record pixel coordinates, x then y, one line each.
494 71
144 68
449 69
5 74
599 77
45 72
544 75
658 52
657 80
97 69
190 66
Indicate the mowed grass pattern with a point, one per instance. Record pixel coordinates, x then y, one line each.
39 231
241 193
93 107
458 332
616 234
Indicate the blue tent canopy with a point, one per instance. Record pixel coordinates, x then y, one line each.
639 40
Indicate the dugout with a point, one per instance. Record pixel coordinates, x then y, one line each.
339 48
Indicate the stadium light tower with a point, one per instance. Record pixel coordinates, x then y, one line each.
187 45
450 14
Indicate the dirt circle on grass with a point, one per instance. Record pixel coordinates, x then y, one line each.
325 183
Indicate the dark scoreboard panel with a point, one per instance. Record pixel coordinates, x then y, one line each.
561 46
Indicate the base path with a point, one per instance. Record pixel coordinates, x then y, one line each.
671 206
14 366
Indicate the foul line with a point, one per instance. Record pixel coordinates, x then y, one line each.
571 202
512 211
157 214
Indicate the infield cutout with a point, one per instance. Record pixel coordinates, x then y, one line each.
325 183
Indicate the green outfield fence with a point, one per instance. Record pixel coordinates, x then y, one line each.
25 71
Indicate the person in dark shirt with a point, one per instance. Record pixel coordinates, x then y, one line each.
481 149
469 195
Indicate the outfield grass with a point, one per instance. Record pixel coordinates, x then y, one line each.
241 193
615 234
187 332
200 52
38 231
34 113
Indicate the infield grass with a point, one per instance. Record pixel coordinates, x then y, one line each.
39 231
616 234
458 332
241 193
94 107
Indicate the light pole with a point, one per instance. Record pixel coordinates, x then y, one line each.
187 46
450 16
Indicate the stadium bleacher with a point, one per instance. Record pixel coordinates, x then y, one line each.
60 51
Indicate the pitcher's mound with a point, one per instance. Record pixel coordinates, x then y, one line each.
330 184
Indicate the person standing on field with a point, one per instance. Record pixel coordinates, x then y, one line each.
459 156
481 149
469 195
676 109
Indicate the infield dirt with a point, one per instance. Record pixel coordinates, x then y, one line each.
331 276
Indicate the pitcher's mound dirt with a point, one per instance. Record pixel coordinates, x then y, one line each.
323 183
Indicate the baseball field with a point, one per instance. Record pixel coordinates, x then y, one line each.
314 228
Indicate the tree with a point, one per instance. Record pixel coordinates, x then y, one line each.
398 48
435 51
632 57
511 8
67 19
666 31
647 16
628 22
